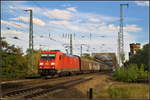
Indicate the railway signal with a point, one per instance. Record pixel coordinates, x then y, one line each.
71 48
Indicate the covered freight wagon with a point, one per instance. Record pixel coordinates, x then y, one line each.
88 65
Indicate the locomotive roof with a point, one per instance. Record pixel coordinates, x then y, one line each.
55 51
69 55
50 51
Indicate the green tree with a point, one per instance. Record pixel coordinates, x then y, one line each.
86 55
13 63
33 58
141 57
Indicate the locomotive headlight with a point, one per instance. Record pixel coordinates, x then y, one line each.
52 63
41 63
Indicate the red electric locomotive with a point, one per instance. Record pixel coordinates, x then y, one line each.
55 62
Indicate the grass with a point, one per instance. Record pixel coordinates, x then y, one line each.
125 91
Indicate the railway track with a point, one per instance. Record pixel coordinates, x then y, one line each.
36 91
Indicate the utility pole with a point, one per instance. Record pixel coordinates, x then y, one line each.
0 63
30 39
66 50
81 50
74 35
0 42
71 48
90 36
30 30
121 38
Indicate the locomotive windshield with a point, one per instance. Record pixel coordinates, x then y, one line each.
48 56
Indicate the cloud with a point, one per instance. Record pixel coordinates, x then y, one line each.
12 7
72 9
72 26
58 13
11 32
109 27
112 27
73 15
83 17
109 31
132 28
26 19
66 5
62 22
22 7
95 28
94 20
142 3
127 28
14 24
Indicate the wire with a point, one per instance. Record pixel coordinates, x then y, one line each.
16 15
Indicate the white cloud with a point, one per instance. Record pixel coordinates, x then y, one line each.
22 18
62 22
12 7
14 24
11 32
73 15
72 26
93 17
72 9
57 13
66 5
109 27
26 19
127 28
22 7
132 28
142 3
94 20
112 27
38 22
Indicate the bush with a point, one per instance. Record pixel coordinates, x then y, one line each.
119 74
132 74
142 73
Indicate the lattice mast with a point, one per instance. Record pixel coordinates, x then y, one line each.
121 37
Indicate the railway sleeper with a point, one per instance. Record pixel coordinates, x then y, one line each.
59 86
40 90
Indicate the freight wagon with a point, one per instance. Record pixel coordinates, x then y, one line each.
88 66
55 62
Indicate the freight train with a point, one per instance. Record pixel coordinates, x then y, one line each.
55 62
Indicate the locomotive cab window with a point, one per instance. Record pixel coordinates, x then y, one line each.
48 56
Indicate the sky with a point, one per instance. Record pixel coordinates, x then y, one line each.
92 23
